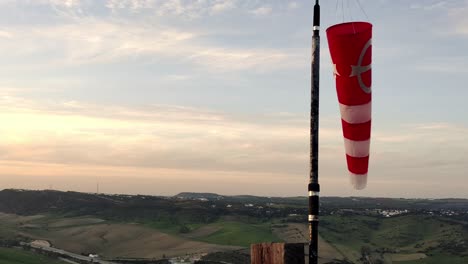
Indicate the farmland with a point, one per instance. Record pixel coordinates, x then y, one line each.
356 230
16 256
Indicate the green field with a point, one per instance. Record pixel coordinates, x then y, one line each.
409 239
233 233
437 240
172 228
152 227
240 234
438 259
18 256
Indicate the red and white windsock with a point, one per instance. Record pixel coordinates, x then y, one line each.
350 47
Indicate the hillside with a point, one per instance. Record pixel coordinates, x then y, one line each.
190 224
25 202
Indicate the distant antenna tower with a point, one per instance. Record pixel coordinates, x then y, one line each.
97 188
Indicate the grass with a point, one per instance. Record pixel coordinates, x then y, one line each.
358 230
407 234
164 226
443 241
171 228
18 256
240 234
232 233
407 231
438 259
7 232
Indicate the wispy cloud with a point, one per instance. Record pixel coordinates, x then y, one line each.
457 19
181 8
185 140
78 34
429 6
223 6
158 136
58 57
96 41
66 3
262 11
446 64
293 5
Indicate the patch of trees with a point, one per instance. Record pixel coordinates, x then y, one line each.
234 257
8 243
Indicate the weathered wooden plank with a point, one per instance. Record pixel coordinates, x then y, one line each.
277 253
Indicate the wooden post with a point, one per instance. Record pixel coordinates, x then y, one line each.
277 253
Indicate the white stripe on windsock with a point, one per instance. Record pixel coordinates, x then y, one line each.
359 181
356 114
357 149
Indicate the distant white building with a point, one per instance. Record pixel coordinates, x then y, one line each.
390 213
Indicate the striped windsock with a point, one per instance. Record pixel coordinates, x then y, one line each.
350 47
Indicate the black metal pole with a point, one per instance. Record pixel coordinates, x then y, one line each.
314 187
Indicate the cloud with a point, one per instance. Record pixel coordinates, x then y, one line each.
239 59
222 6
180 8
457 21
446 64
77 34
66 3
421 147
68 136
262 11
133 5
94 41
159 136
91 41
449 17
5 34
293 5
73 137
430 6
177 77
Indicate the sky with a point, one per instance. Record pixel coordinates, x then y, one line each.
159 97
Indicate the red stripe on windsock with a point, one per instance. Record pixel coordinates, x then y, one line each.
348 90
357 165
356 132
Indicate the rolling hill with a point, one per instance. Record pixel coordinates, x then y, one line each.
353 230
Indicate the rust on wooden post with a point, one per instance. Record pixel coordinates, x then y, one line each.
277 253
